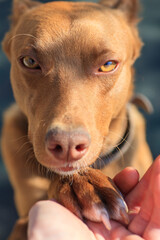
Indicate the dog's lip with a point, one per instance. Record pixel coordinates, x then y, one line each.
67 168
66 171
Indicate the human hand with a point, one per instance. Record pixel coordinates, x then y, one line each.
144 205
43 224
50 220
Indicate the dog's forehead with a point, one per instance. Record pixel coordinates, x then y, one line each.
75 23
58 18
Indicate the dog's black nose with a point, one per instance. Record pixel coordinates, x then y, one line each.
67 145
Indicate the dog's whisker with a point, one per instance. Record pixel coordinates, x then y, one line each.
49 173
100 162
22 146
71 180
21 35
19 139
42 121
30 164
29 150
122 155
45 171
122 138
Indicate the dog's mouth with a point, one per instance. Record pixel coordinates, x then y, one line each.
66 170
70 168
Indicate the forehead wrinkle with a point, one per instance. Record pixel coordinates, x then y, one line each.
81 39
53 33
87 36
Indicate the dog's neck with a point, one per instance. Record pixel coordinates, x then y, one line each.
122 147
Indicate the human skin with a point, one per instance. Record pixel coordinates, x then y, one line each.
143 200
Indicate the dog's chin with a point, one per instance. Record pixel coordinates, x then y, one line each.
68 169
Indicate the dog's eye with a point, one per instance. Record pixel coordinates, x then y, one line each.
108 66
30 63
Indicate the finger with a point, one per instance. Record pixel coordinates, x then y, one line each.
133 237
150 202
140 221
48 219
156 182
119 232
136 196
153 229
99 231
126 179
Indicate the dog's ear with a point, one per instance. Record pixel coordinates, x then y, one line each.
128 7
18 9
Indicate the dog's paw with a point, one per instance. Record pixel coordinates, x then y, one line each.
92 195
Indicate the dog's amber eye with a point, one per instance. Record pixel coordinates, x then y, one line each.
108 66
30 63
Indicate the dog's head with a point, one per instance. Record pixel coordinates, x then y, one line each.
71 73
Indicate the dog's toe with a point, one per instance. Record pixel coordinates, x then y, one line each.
62 191
109 195
91 195
91 205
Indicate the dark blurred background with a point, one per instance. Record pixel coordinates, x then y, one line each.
147 82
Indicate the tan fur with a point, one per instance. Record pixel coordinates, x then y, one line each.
69 39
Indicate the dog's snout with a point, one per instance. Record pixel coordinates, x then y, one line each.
67 145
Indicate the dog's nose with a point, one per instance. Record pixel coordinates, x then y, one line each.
67 146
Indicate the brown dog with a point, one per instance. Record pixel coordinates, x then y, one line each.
72 78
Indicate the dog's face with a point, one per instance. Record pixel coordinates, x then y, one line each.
71 73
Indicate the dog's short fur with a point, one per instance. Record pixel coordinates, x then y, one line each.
71 41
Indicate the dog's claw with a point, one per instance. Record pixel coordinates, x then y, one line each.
92 195
121 212
105 220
